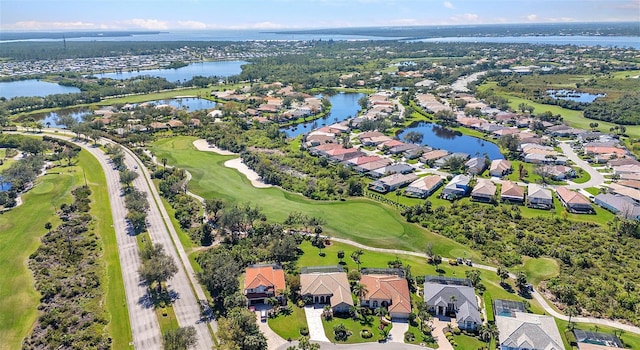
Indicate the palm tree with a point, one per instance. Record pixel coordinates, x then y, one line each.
164 163
502 273
360 290
488 332
571 311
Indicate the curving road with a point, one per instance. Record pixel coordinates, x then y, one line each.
597 178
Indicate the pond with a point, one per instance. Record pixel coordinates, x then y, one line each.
344 105
189 103
33 87
4 186
205 69
52 117
437 136
575 96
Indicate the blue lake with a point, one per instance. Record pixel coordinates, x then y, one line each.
52 117
205 69
343 106
436 136
189 103
574 95
33 87
578 40
4 186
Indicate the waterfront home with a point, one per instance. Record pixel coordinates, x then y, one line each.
499 167
539 197
317 140
389 291
326 285
442 161
433 155
263 282
621 205
446 296
476 165
483 191
424 187
457 187
528 331
511 192
392 182
574 201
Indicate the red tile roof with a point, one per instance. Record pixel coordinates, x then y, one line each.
266 276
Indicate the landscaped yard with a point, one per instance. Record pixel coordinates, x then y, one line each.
288 326
370 322
583 177
630 340
467 342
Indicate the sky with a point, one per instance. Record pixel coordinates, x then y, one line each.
38 15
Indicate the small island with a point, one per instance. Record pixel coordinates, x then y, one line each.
176 65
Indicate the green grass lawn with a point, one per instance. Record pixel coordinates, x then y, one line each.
593 190
371 323
19 238
583 177
420 338
288 326
467 342
359 219
531 177
539 269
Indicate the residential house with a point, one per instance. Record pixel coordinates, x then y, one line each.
476 165
483 191
574 201
524 331
511 192
416 152
558 172
390 291
445 296
158 126
442 161
499 167
597 341
630 183
371 166
622 205
424 187
432 156
457 187
263 282
625 191
175 123
539 197
326 285
407 147
626 169
398 168
392 182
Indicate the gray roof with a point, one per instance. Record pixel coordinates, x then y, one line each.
465 299
529 331
468 312
624 205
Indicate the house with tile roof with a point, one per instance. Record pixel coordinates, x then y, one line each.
392 182
574 201
621 205
263 282
443 298
539 197
483 191
511 192
499 167
424 186
528 331
388 291
326 285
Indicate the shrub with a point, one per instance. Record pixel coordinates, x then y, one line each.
457 331
366 333
409 337
300 303
448 334
304 331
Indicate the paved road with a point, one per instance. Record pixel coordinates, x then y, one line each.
143 320
187 303
368 346
597 179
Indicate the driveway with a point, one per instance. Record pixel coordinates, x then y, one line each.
396 335
274 341
438 332
314 321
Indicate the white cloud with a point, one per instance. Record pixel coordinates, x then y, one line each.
192 25
36 25
448 5
146 24
467 18
532 17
